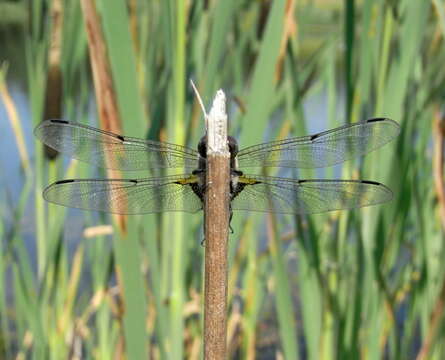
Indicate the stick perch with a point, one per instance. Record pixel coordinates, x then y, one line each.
216 231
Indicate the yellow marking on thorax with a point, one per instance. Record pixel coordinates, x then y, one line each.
244 180
189 180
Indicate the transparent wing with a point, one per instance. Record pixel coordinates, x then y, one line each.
108 150
122 196
288 196
324 149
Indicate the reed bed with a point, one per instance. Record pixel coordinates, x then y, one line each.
363 284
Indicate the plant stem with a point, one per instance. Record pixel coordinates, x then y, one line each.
216 231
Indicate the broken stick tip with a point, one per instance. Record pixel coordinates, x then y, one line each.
219 104
217 125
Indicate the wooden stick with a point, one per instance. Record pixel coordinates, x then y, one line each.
216 231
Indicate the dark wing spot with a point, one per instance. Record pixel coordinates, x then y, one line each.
370 182
313 137
56 121
63 182
375 120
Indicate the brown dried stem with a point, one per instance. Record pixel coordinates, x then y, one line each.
103 84
216 232
54 80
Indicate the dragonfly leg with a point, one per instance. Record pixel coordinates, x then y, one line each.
230 218
198 171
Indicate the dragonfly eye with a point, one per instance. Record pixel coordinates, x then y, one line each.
233 146
202 147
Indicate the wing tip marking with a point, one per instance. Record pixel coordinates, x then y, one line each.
371 182
58 121
387 121
64 181
376 120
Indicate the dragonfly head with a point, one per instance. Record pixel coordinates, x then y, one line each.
202 146
233 146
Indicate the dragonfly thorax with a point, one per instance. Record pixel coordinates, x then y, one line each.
233 149
233 146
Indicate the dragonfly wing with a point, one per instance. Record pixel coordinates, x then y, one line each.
112 151
324 149
289 196
127 196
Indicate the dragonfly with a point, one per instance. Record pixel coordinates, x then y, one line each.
186 192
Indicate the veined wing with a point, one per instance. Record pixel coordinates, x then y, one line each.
289 196
112 151
127 196
324 149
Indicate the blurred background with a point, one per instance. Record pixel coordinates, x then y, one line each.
361 284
